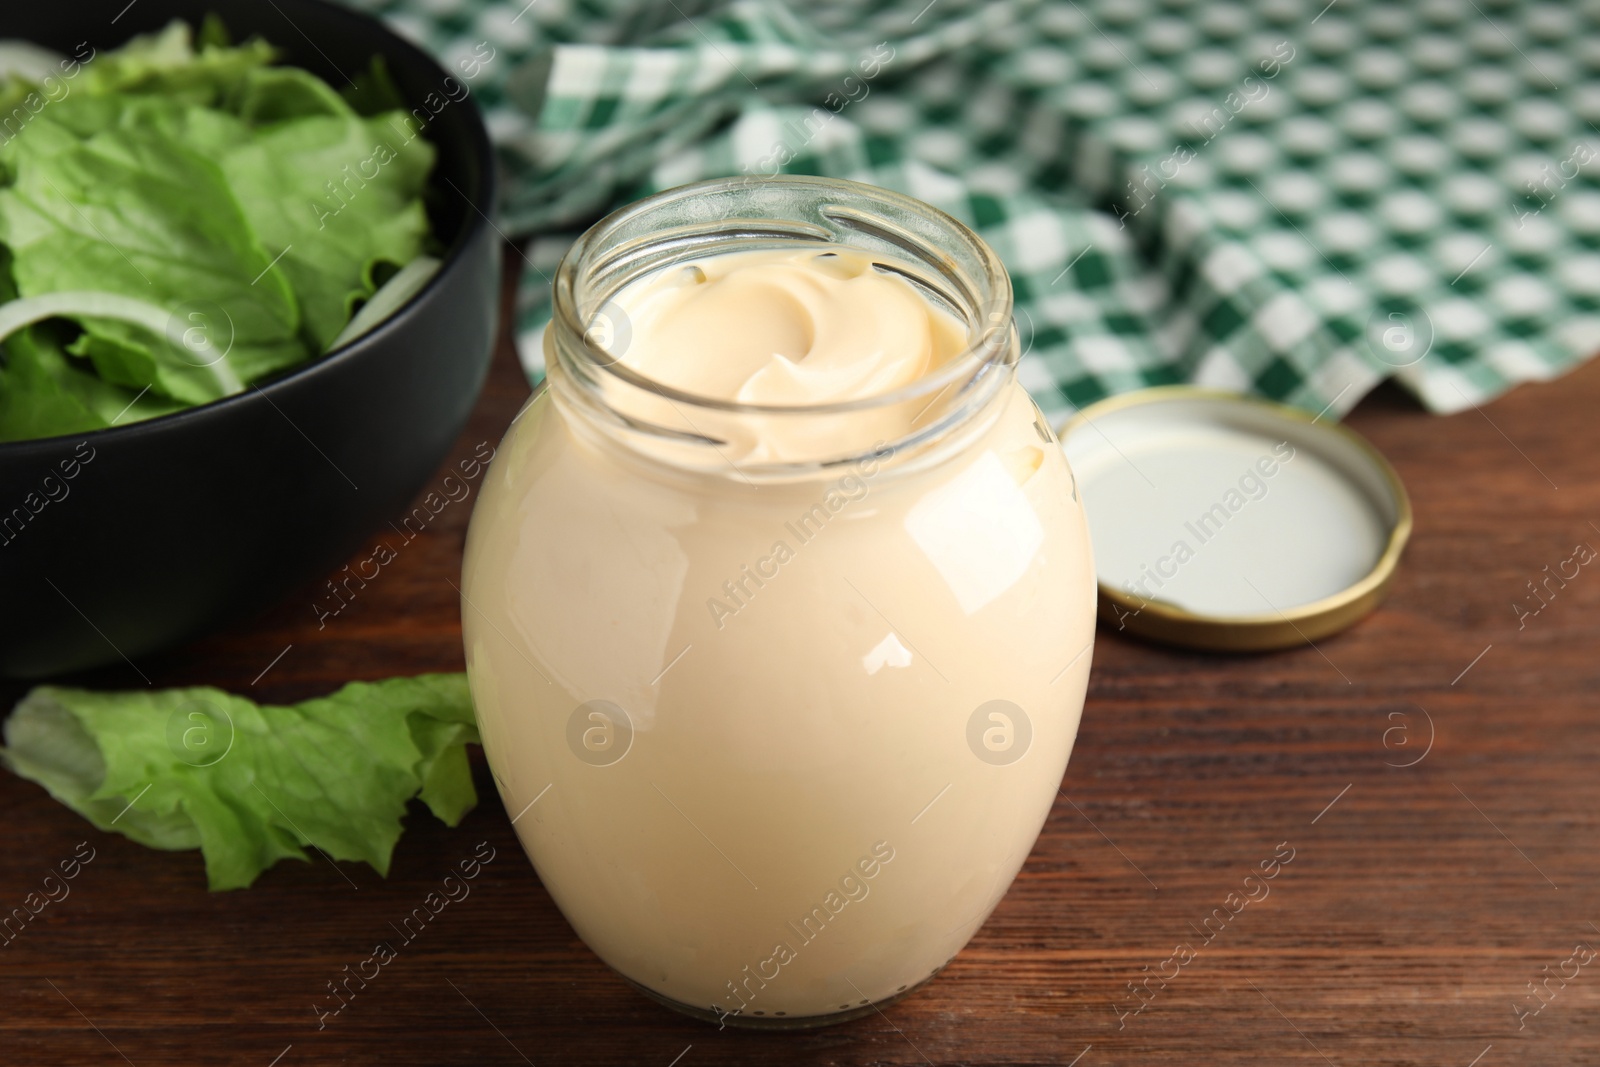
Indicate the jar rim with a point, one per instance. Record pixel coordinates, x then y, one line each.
992 321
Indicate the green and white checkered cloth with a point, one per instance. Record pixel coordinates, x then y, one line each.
1295 199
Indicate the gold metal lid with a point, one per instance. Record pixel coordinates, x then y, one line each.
1226 522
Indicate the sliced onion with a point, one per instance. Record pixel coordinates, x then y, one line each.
406 283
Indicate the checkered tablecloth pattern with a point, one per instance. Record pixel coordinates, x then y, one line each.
1293 198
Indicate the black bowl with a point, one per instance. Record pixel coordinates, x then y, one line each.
168 528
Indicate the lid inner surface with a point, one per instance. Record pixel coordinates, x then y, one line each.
1227 509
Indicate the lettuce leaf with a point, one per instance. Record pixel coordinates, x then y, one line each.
250 784
44 392
141 214
255 205
168 63
276 94
342 194
373 91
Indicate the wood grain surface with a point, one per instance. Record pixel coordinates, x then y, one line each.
1419 904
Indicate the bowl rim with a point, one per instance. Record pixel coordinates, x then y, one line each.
472 228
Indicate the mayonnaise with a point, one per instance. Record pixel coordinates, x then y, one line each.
785 327
777 749
809 325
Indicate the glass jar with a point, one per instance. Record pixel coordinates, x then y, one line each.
777 735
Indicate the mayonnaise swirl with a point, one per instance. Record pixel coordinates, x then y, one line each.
785 327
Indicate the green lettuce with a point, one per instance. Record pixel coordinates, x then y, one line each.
44 392
138 213
172 63
256 207
339 193
251 784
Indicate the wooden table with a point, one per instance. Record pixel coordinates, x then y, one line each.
1419 904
